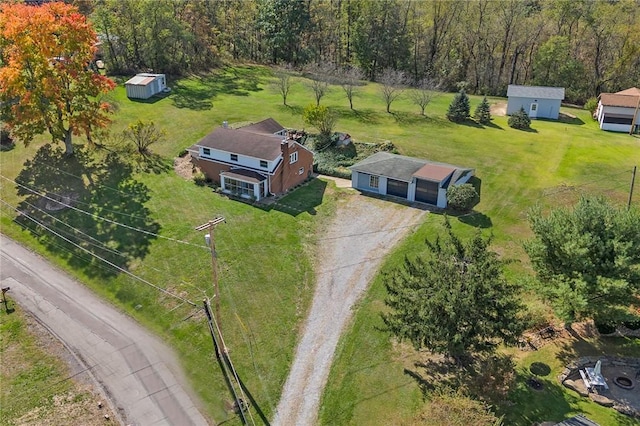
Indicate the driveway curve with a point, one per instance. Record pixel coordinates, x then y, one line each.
136 371
363 232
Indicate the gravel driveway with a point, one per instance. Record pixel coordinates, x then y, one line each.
363 232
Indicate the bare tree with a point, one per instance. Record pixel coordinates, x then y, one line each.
320 76
392 86
143 134
283 83
350 79
424 93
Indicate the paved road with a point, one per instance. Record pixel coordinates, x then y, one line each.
138 373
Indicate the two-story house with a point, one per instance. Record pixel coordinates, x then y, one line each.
254 161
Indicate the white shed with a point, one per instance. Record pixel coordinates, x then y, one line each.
144 86
537 101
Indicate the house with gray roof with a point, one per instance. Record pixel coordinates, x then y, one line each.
537 101
413 179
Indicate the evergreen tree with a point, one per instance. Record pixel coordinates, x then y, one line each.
454 301
483 112
587 258
520 120
459 108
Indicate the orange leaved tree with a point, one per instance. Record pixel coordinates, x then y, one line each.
46 83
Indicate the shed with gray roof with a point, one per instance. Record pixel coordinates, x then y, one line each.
537 101
410 178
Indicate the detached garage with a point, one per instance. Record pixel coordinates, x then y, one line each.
144 86
409 178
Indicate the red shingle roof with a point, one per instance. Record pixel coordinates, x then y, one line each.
434 172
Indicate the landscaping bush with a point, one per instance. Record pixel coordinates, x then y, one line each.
462 197
591 105
520 120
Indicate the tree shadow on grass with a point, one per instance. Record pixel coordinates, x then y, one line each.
407 117
493 125
71 205
292 109
198 92
365 116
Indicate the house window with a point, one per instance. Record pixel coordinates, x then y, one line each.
373 181
238 187
293 157
301 170
206 151
263 164
234 157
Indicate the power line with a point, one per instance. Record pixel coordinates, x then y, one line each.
95 216
102 259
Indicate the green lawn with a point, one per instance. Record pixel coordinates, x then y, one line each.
266 272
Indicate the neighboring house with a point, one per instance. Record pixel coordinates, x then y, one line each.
144 86
406 177
254 161
537 101
616 111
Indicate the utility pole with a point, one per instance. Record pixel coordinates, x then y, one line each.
633 179
211 242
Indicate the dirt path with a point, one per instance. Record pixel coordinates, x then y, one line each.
363 232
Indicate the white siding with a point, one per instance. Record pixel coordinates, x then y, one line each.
243 160
547 108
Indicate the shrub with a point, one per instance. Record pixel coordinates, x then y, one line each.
591 105
605 327
200 179
462 197
483 112
632 324
459 108
520 120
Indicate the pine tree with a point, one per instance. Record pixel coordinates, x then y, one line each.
483 112
459 108
454 301
520 120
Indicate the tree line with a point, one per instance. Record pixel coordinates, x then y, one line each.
586 46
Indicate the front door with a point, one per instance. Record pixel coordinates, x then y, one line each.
533 110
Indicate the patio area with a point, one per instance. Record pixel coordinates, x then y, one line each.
621 387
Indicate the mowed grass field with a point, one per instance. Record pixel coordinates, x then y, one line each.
266 255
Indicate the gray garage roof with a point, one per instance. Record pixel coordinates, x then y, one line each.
404 168
539 92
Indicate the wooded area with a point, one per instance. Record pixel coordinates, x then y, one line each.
587 46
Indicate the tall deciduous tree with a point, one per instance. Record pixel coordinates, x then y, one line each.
587 258
46 78
392 82
282 83
423 94
349 80
454 301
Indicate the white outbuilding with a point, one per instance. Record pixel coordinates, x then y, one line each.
144 86
537 101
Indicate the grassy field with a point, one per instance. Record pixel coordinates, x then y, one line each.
266 255
37 387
